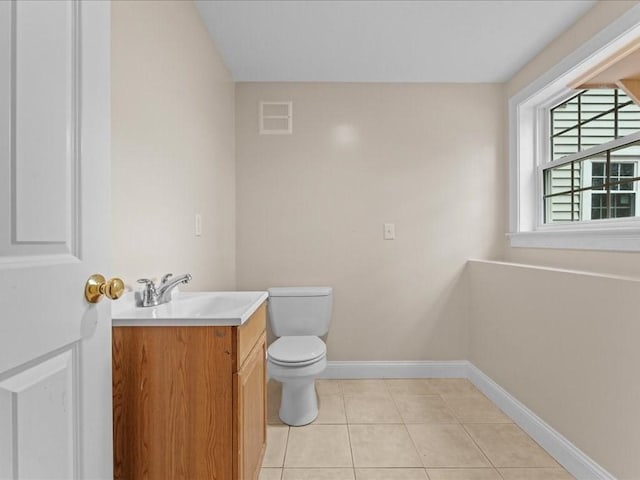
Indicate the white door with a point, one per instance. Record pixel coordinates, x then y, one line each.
55 347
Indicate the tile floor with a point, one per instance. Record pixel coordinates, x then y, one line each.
403 429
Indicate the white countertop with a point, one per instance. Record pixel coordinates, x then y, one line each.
189 309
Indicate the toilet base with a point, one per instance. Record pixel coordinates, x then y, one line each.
299 405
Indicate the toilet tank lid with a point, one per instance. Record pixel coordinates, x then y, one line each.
300 291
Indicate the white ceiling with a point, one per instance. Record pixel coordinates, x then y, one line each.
384 41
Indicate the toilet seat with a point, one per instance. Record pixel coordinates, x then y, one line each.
296 351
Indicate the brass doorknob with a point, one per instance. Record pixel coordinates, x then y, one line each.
97 286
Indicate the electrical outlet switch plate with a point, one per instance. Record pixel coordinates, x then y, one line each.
198 225
389 231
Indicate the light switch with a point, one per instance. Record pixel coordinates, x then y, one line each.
198 225
389 231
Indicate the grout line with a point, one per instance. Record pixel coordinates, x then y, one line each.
286 444
479 447
399 413
286 447
353 463
346 419
450 410
415 446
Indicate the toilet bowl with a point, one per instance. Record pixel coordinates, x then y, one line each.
296 362
298 316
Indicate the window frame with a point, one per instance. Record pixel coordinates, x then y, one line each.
529 147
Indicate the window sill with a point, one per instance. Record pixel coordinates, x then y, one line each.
610 239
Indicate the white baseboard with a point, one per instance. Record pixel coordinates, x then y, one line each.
409 369
568 455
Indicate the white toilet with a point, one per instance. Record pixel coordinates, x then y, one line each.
298 316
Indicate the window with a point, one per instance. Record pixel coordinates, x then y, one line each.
580 185
574 148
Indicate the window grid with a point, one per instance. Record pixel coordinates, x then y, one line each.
580 123
613 183
589 118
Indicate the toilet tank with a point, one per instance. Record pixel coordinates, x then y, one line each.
300 310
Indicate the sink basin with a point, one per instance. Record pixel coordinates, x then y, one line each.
190 309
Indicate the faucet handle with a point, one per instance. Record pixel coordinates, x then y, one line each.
165 278
149 285
149 295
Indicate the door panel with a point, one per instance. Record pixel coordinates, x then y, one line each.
40 395
43 120
55 363
39 90
42 273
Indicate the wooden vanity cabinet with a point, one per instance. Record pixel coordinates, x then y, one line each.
190 402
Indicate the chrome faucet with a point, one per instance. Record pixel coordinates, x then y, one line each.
152 295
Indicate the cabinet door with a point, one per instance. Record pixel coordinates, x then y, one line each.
172 403
251 428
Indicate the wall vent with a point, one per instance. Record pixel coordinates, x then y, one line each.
276 118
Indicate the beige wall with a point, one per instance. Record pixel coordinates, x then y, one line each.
566 345
172 146
311 207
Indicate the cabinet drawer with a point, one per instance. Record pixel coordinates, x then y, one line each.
249 333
